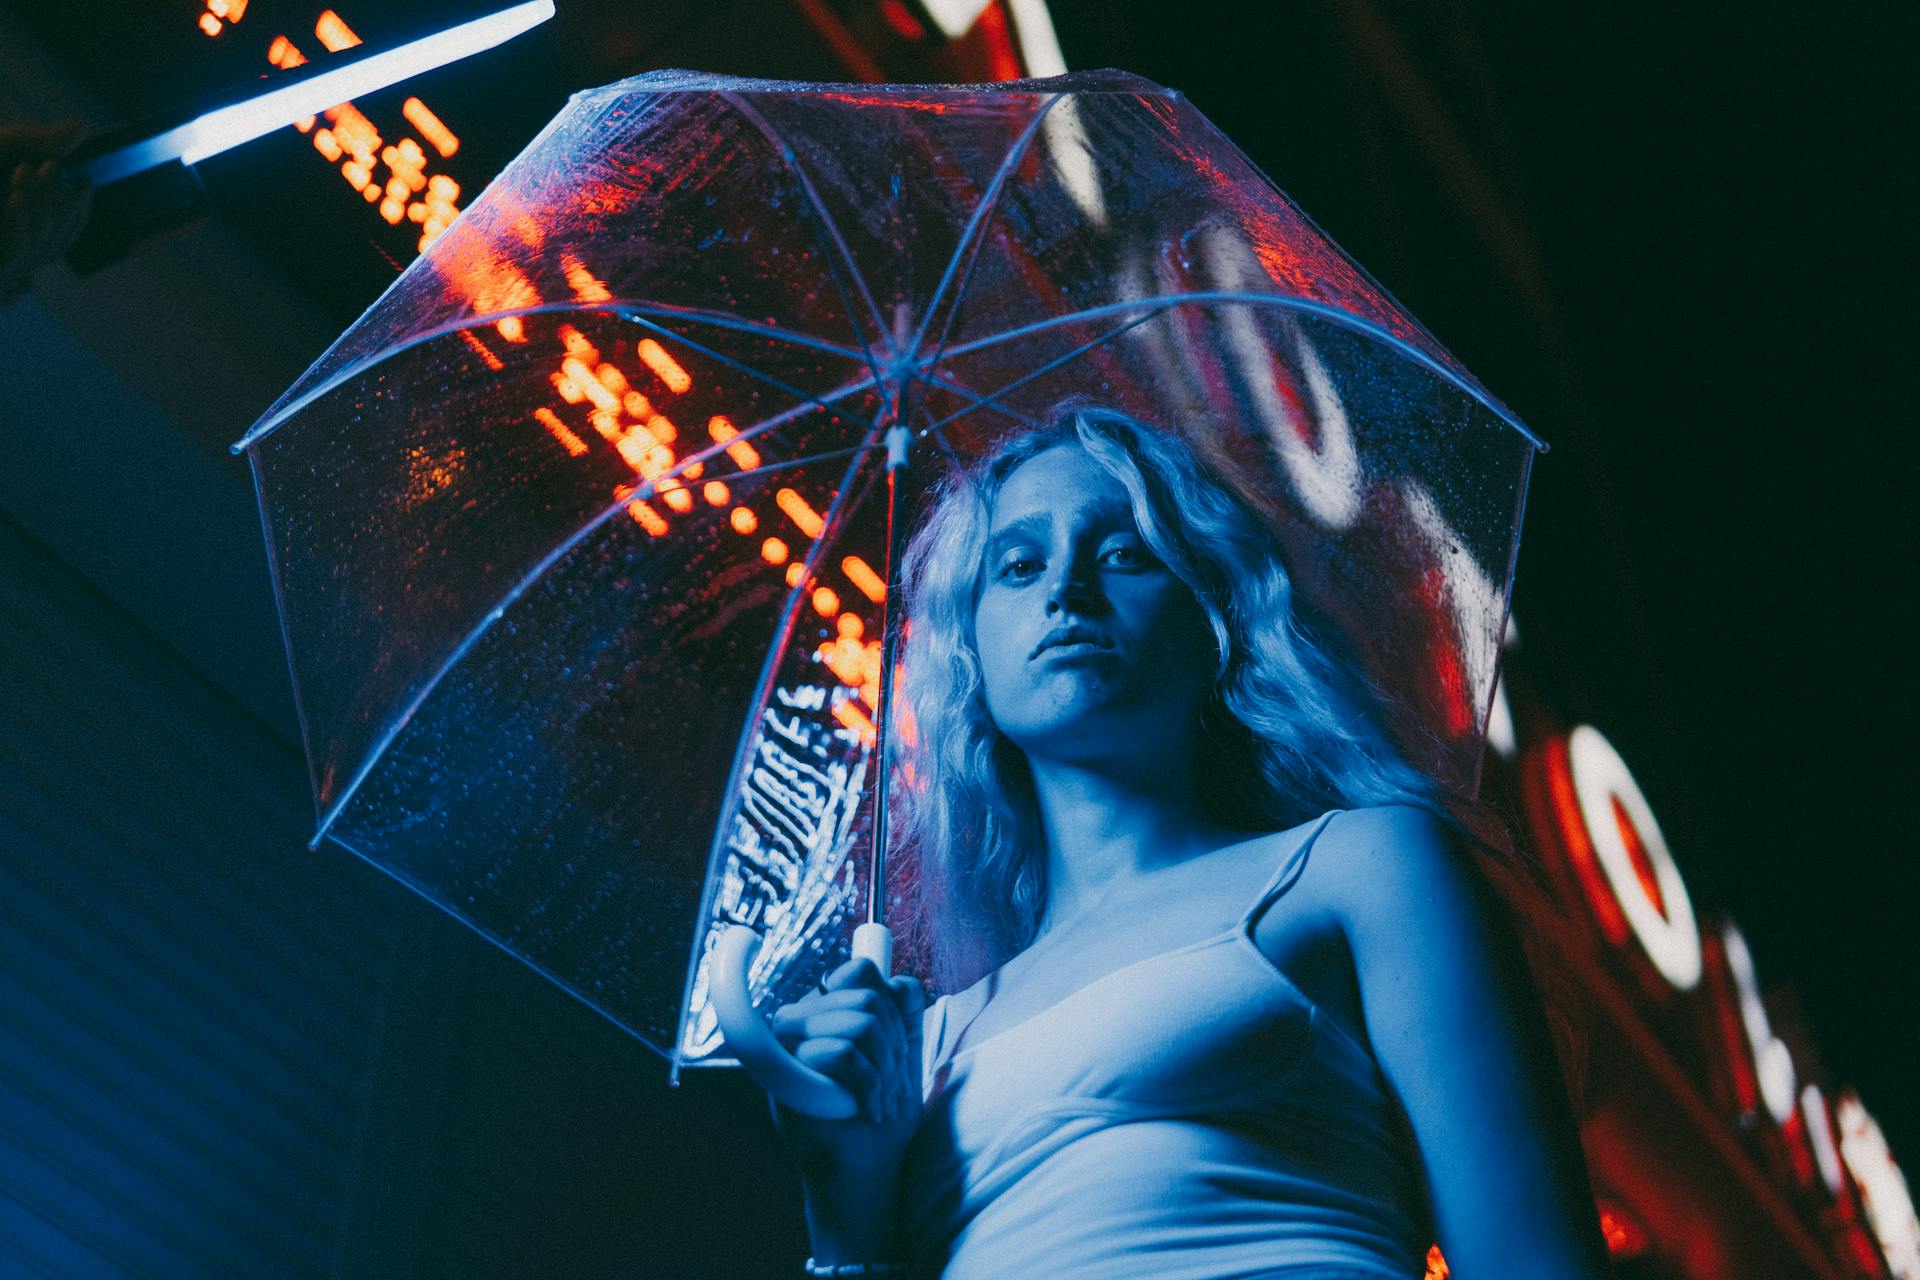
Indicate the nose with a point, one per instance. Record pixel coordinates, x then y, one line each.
1071 590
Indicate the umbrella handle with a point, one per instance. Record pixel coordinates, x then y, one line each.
749 1039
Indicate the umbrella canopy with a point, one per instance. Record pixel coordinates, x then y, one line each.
579 533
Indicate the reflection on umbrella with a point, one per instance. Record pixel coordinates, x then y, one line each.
580 533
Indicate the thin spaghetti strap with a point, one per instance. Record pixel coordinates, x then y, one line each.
1289 870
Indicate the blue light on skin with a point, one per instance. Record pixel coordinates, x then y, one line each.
1108 723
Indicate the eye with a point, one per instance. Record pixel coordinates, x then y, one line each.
1126 555
1016 565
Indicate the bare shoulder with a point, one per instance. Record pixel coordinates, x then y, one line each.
1385 865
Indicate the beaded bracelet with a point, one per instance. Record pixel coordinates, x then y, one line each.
854 1269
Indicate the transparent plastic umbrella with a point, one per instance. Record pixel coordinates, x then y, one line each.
580 532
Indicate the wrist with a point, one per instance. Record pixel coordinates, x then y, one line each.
851 1215
815 1267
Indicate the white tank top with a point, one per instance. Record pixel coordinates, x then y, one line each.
1189 1116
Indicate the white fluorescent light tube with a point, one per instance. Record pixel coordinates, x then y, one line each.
229 126
955 17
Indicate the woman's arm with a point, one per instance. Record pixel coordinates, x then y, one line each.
1457 1028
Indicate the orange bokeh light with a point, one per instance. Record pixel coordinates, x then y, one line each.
334 33
851 626
586 286
716 493
511 329
773 551
795 573
430 126
825 602
744 455
209 24
612 379
281 53
560 431
664 366
679 499
799 512
647 518
487 357
849 714
743 520
861 574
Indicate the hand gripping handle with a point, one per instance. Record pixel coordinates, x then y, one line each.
750 1039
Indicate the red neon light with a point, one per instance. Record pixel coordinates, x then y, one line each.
1638 855
1571 827
1003 55
901 19
1729 1030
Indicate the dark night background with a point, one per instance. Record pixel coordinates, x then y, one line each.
1679 241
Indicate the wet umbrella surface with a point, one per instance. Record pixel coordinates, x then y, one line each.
579 533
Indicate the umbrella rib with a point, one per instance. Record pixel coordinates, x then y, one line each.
520 588
727 320
720 319
829 228
748 369
844 500
980 401
1047 368
975 233
1345 319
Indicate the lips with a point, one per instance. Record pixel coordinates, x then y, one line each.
1071 635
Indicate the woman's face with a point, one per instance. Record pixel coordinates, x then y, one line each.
1090 647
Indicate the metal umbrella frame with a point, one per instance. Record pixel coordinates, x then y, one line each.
599 683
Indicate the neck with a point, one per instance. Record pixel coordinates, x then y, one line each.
1106 822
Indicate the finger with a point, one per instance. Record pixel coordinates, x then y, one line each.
910 997
883 1046
843 1063
858 972
794 1022
908 994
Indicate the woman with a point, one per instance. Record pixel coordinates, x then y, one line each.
1247 1010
